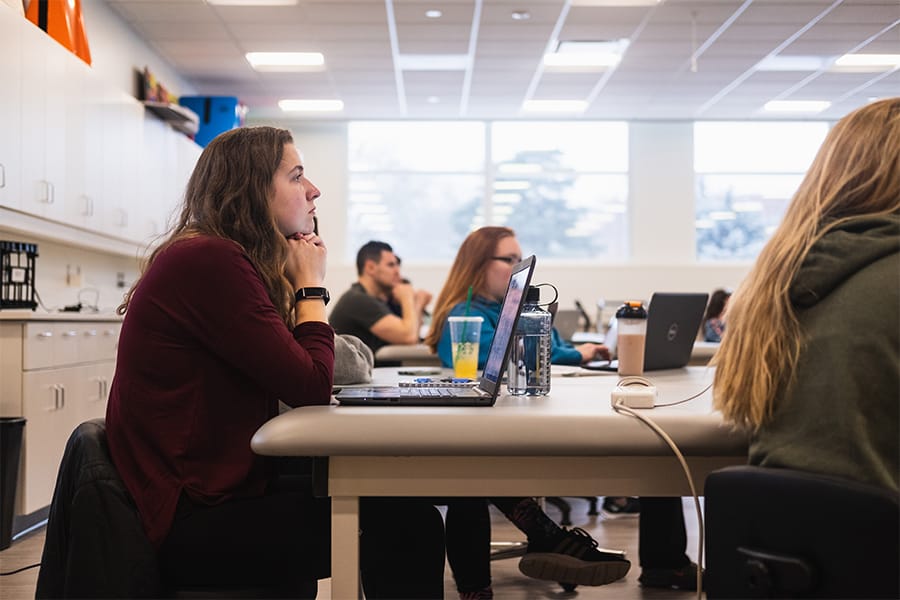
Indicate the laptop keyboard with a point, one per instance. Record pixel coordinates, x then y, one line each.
431 392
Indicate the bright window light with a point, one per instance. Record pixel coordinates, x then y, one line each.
296 105
285 61
554 106
868 60
512 185
796 106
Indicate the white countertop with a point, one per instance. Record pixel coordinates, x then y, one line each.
18 314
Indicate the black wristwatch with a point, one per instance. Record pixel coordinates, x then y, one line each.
312 293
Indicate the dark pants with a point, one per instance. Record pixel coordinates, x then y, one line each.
663 539
468 535
284 538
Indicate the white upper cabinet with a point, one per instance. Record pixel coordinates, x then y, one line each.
10 107
46 91
78 151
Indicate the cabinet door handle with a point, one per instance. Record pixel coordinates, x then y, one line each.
88 210
56 399
70 333
45 334
62 390
90 333
2 176
49 192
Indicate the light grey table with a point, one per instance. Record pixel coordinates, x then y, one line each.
569 443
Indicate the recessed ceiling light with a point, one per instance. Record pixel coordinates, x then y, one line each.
520 15
297 105
433 62
433 100
886 61
253 2
796 106
285 61
554 106
433 13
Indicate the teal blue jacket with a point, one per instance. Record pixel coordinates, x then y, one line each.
561 352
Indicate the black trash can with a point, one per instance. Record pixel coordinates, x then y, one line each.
10 451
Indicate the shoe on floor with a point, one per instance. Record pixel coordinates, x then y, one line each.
572 557
684 578
621 506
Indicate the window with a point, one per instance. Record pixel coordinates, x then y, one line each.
423 186
563 187
746 174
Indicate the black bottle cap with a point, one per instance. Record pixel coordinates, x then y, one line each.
534 294
633 309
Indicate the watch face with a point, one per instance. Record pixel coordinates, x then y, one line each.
311 293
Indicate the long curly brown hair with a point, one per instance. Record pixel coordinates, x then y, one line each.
228 196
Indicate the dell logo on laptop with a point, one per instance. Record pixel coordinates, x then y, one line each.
672 333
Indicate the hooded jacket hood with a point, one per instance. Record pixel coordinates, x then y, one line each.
842 252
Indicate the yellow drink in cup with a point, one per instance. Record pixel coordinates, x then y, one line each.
465 335
465 360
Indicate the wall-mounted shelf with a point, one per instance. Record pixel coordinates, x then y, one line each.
178 117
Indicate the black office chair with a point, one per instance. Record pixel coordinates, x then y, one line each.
780 533
95 545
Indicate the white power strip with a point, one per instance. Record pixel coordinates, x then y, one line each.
634 392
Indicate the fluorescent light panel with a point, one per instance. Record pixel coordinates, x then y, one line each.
619 3
868 60
793 63
433 62
285 61
796 106
587 54
554 106
253 2
301 105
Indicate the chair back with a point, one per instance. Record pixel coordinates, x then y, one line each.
780 533
95 546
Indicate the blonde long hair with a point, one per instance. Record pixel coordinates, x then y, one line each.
468 269
227 196
855 173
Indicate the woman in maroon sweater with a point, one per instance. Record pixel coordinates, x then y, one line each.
212 339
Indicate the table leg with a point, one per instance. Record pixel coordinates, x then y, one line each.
345 547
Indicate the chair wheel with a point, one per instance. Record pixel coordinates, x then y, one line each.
568 587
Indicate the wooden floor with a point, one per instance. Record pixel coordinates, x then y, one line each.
508 583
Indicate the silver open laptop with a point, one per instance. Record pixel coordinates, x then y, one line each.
483 394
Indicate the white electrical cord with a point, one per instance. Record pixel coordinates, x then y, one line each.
620 407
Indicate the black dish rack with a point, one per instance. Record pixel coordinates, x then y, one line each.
17 274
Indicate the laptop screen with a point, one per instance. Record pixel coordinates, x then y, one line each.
509 316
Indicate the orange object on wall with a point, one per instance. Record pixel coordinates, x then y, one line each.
64 22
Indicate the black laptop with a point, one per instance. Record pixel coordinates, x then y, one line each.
483 394
673 321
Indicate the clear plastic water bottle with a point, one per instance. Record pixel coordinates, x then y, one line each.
529 361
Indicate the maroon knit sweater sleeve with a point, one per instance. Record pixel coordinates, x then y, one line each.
203 359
